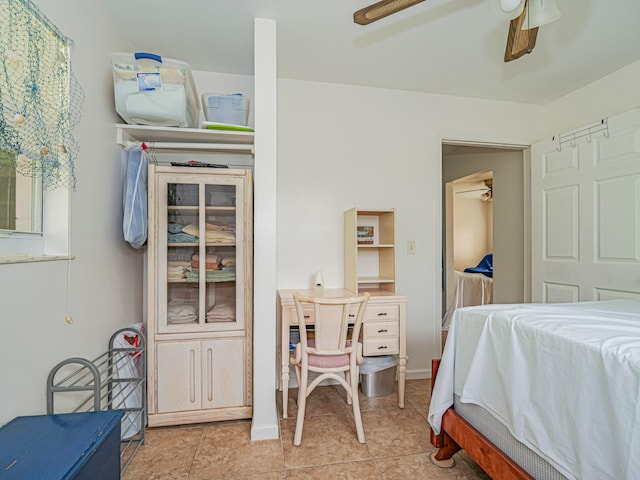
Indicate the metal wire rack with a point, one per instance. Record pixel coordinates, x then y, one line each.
115 380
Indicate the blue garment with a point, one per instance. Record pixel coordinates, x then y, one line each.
485 266
134 195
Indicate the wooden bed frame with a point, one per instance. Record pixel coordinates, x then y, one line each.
458 434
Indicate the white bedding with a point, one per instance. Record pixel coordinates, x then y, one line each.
563 378
470 289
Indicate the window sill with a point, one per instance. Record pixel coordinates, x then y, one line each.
9 259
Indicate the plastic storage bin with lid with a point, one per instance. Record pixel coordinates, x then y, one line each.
231 109
154 90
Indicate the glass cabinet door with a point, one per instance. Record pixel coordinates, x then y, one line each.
202 233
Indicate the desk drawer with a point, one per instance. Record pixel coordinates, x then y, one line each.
380 330
373 313
382 312
291 316
381 346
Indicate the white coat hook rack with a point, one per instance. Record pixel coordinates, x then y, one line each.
587 133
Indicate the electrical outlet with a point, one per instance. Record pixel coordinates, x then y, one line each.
411 247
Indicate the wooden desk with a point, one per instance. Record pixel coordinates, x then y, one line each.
383 331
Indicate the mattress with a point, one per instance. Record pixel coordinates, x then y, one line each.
500 436
563 379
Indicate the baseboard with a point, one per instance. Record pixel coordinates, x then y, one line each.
420 374
264 432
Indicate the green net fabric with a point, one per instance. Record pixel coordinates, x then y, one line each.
40 100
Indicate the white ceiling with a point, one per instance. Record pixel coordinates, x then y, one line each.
440 46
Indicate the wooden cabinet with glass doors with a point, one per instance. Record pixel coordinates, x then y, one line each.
200 291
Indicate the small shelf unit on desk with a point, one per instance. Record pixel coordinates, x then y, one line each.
362 280
369 266
178 139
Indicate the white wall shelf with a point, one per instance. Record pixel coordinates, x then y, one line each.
172 138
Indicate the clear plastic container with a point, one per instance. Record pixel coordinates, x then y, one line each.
232 109
153 90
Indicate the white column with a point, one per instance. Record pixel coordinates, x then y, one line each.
265 417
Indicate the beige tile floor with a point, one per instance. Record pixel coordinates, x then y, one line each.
397 445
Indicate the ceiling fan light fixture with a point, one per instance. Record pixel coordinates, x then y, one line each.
540 12
508 9
381 9
511 6
488 195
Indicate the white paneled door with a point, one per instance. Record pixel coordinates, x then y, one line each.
585 213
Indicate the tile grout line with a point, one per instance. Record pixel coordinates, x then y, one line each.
195 453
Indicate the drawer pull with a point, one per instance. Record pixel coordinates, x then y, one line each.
382 347
351 315
382 314
383 330
306 316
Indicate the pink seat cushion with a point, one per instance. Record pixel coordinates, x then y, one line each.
328 361
325 361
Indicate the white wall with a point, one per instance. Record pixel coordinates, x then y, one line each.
342 146
473 235
106 275
615 93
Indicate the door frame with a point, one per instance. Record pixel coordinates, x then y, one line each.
513 144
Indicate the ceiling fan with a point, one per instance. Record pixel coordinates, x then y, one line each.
487 191
526 17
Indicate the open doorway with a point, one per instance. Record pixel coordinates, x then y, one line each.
469 248
509 194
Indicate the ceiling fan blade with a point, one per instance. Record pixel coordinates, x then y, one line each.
381 9
474 190
520 42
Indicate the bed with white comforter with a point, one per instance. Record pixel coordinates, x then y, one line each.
563 378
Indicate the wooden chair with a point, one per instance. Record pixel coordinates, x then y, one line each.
329 353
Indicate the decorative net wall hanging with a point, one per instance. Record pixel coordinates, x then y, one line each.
40 100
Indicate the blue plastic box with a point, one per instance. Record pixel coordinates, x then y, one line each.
78 446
